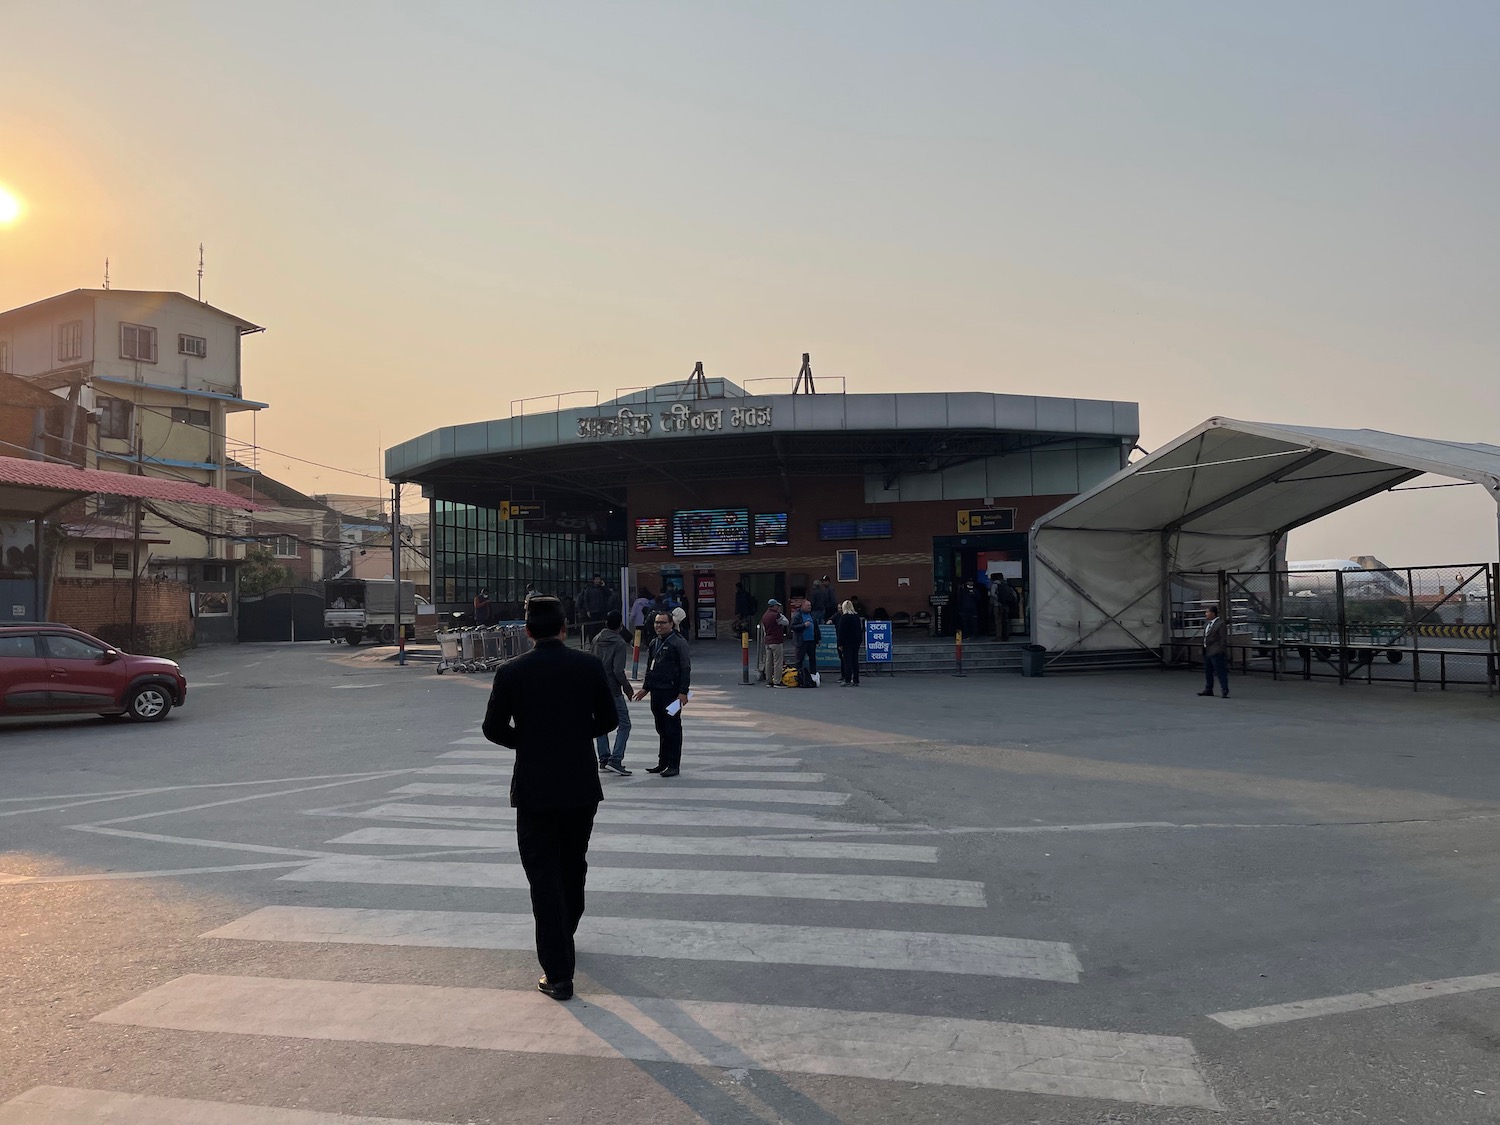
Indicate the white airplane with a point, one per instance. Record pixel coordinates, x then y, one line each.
1358 582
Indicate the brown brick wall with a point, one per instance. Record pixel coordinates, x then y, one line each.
907 554
101 607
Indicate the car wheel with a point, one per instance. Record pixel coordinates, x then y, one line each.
352 637
149 703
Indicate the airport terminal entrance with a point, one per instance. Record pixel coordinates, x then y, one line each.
958 559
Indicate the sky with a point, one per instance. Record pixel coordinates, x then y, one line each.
1282 211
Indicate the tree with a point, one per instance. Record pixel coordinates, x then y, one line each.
261 572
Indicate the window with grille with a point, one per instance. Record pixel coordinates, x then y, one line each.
114 418
138 342
190 416
70 340
83 560
192 345
284 547
122 560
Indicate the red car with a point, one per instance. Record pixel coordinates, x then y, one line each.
48 669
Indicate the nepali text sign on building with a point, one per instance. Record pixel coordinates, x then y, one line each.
679 418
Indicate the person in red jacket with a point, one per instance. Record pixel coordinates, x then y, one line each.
774 622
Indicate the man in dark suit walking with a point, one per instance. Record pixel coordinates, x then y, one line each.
1215 652
549 705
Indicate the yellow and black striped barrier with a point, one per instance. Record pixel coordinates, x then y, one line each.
1458 632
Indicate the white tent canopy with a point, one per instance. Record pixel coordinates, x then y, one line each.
1220 497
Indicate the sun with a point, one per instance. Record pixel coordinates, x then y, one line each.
10 207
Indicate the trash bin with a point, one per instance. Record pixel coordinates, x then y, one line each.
1032 659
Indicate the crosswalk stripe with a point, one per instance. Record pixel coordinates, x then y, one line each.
687 818
664 881
716 764
61 1105
1118 1066
758 943
645 752
766 776
668 791
653 845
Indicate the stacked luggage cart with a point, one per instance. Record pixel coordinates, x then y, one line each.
480 649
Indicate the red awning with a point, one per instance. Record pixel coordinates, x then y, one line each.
34 488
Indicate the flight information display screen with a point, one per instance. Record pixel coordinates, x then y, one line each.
770 529
711 531
653 534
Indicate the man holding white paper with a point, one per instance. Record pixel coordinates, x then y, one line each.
668 680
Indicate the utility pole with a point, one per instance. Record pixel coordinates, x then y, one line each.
396 567
135 542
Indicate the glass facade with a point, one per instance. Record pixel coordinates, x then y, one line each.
473 549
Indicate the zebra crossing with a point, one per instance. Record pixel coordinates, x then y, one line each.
733 806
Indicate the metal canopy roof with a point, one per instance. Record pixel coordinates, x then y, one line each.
644 439
1219 498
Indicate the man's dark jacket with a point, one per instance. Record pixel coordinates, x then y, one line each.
593 603
549 705
669 667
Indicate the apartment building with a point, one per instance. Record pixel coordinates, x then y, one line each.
157 375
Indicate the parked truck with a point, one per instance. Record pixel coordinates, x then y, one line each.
356 609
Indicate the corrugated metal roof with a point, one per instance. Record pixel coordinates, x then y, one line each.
45 476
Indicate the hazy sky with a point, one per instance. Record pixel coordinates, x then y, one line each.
1283 211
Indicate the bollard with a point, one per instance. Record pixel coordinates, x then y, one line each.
401 645
744 657
635 661
958 652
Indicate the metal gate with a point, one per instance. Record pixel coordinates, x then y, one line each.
1416 625
293 613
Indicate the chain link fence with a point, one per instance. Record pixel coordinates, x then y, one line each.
1419 625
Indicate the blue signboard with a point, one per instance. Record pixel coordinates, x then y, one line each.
877 642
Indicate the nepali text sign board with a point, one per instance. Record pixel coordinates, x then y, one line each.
679 418
986 519
877 642
522 510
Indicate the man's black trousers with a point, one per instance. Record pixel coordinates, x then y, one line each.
669 727
554 844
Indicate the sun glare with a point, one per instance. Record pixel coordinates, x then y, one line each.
10 207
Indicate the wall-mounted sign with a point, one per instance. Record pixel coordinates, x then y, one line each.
653 533
522 510
679 418
846 565
986 519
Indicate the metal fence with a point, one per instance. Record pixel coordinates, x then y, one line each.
1416 625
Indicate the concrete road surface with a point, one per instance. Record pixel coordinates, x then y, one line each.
1072 899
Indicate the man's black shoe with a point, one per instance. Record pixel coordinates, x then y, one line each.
603 766
656 769
621 770
562 990
1205 693
671 772
1226 695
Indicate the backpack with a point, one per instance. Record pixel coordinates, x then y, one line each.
790 678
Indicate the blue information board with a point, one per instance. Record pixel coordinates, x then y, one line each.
877 642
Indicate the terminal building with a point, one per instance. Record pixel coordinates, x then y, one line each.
698 485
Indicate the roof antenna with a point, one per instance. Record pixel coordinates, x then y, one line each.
106 273
200 273
805 376
698 382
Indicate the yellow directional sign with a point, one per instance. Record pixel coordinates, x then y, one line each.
986 519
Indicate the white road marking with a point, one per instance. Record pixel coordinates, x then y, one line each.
354 779
110 876
672 790
199 685
194 841
758 943
1117 1066
765 776
351 687
665 881
59 1105
480 741
698 764
1354 1001
691 818
652 845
